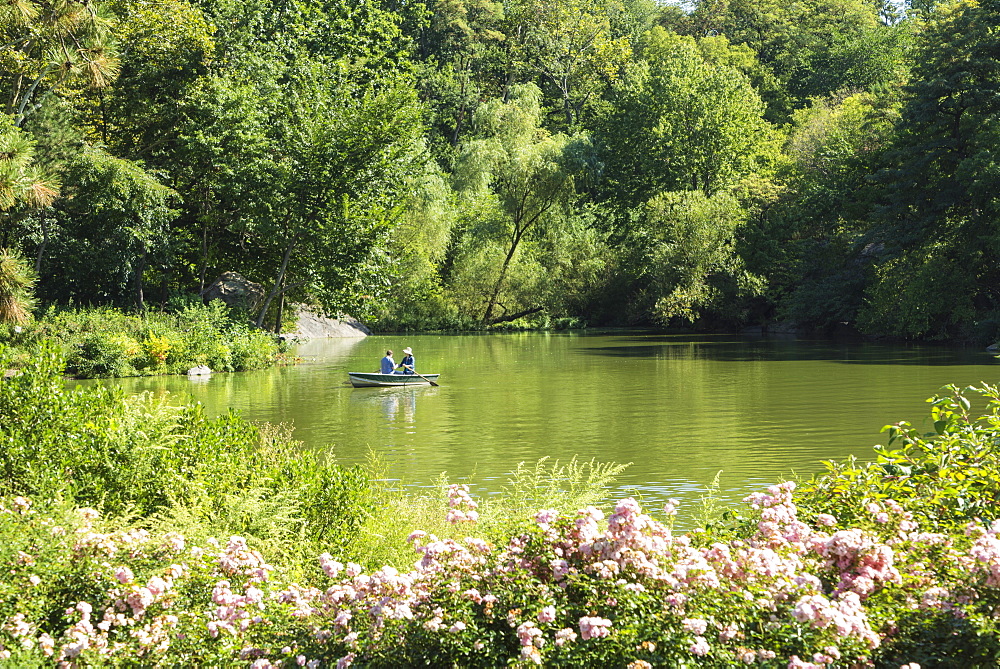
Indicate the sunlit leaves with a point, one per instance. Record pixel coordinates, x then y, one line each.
54 45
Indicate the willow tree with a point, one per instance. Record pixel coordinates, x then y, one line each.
528 171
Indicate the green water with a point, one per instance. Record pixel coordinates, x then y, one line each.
681 409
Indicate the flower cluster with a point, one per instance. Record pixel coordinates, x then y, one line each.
569 588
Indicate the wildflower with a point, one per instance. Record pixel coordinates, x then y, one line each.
826 520
345 661
457 627
174 541
34 580
546 516
547 614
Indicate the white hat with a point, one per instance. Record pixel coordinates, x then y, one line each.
408 351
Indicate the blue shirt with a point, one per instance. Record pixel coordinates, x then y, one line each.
388 364
410 364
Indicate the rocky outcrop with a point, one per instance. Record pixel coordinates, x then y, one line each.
312 325
236 291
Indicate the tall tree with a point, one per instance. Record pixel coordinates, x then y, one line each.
527 170
680 122
944 186
333 164
572 46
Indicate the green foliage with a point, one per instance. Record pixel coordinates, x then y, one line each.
681 122
142 457
109 343
16 282
952 470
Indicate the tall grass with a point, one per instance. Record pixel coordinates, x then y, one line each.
545 484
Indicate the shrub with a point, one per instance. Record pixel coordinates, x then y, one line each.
104 342
97 448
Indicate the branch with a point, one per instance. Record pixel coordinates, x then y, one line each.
513 317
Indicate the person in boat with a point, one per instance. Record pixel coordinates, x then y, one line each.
407 365
388 364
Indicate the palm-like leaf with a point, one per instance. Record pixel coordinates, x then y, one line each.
16 281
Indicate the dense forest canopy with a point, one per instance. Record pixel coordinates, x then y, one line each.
467 163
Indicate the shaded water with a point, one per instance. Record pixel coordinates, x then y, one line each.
681 409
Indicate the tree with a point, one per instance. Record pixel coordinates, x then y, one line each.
53 46
111 227
324 185
813 48
571 44
680 122
940 219
527 170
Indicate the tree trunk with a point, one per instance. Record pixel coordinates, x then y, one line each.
491 305
279 282
204 257
281 309
140 268
41 247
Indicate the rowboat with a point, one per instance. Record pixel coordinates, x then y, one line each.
375 380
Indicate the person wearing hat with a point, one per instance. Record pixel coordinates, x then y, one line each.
407 364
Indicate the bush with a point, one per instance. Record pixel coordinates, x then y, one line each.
876 565
104 342
138 456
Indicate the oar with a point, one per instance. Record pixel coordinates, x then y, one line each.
425 378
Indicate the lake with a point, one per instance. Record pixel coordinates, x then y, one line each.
682 409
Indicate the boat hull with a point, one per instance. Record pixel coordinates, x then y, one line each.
367 380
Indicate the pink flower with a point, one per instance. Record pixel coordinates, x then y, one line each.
546 516
695 625
547 614
457 627
594 627
700 646
826 519
564 636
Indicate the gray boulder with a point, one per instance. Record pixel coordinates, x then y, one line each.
313 325
236 291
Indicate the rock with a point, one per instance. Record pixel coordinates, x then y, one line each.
236 291
200 370
312 325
